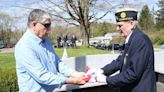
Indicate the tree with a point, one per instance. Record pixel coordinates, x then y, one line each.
81 13
5 28
145 20
104 29
160 15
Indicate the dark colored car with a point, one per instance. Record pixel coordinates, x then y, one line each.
115 47
2 46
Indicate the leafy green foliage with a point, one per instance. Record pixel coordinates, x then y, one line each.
146 21
5 28
157 37
101 29
104 29
160 15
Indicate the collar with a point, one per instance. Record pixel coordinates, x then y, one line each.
128 37
33 36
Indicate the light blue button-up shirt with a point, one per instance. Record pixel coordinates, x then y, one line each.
38 67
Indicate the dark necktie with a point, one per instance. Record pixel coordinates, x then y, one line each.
125 48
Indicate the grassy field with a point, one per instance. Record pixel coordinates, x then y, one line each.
80 51
7 60
8 79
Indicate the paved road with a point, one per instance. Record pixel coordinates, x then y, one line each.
7 50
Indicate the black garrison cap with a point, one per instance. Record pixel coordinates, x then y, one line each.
125 14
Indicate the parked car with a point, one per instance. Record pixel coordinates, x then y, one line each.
2 46
115 47
162 46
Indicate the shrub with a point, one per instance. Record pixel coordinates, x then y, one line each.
157 37
161 40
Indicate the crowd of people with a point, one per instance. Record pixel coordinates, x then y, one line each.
66 42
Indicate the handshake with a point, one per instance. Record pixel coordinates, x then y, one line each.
94 75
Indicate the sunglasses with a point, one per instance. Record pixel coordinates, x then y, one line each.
119 26
46 25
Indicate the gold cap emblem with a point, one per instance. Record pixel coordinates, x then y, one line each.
123 15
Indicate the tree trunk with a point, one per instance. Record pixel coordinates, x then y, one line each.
85 35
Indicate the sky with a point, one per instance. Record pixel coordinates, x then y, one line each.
20 13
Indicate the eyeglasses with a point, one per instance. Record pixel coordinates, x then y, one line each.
119 26
46 25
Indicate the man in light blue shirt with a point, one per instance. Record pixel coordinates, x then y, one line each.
38 67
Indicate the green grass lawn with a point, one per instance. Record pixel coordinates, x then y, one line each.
8 79
7 60
80 51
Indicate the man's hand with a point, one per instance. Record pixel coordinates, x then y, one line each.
100 77
78 74
87 78
94 71
75 80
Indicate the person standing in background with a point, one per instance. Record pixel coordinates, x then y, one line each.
65 41
73 40
59 42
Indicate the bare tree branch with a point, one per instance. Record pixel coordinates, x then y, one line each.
25 7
